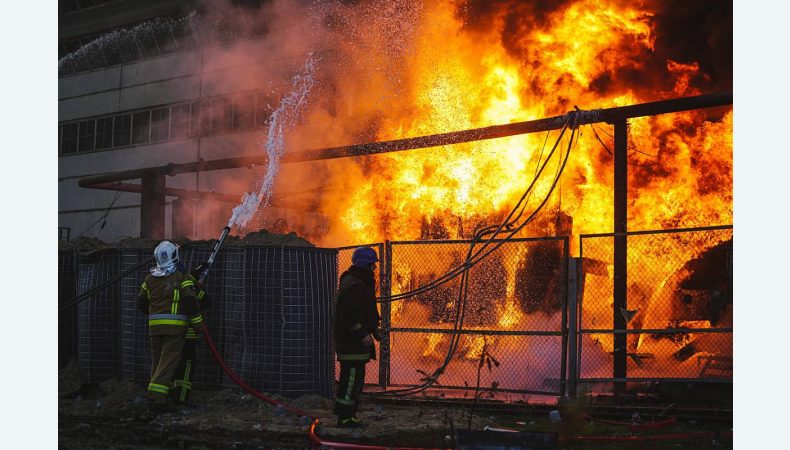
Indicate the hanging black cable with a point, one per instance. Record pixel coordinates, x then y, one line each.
103 216
469 262
493 230
572 122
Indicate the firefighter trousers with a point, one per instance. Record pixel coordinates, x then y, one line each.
182 385
349 388
165 356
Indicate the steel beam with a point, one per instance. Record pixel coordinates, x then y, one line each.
171 192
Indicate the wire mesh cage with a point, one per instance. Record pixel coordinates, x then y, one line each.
67 319
135 350
678 310
278 318
98 316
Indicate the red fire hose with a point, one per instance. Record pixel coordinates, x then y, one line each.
314 438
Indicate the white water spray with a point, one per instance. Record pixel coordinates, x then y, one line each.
283 119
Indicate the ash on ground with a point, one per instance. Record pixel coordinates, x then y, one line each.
115 414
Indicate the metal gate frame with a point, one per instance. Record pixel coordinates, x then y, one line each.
579 332
385 291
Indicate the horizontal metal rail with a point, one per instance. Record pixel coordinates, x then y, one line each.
655 330
488 389
654 380
476 332
170 191
469 241
666 231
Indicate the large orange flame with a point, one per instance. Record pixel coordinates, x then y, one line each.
457 77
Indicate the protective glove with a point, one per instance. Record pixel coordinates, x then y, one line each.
200 273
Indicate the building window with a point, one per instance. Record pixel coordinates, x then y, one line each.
222 116
202 110
244 112
207 117
160 124
179 128
104 133
87 135
69 144
122 130
141 127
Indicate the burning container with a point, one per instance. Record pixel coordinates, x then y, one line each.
278 304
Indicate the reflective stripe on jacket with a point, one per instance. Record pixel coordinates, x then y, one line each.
170 302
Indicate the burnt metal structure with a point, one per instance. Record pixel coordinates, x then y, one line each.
153 185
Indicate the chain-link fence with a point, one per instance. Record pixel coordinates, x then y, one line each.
512 337
278 317
677 307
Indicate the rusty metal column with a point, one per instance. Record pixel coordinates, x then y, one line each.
385 271
620 250
152 207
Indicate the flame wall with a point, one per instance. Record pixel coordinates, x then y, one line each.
393 69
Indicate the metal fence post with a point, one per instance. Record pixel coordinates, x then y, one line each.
573 323
564 326
385 273
620 253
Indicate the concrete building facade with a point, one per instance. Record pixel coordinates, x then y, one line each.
149 96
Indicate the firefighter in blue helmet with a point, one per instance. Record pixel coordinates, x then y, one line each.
168 296
355 328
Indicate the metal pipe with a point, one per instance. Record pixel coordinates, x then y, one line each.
173 169
456 137
171 192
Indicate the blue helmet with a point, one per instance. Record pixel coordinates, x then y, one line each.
364 256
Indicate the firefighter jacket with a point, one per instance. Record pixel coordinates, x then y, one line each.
171 304
356 315
202 301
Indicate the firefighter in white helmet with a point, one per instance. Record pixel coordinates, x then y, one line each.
169 298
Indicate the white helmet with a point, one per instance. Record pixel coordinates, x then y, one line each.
166 254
